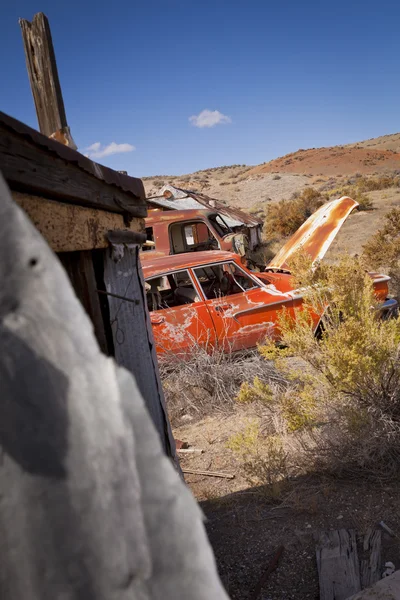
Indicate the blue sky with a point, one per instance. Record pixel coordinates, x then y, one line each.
282 76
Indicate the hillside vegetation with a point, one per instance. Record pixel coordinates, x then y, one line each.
367 170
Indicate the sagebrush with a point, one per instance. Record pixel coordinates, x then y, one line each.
286 216
343 407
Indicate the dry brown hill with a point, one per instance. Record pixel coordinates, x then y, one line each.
384 142
253 187
339 160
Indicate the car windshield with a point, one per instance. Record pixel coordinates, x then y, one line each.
220 226
224 279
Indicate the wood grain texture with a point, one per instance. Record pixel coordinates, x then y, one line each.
133 337
371 563
28 167
68 227
43 74
338 566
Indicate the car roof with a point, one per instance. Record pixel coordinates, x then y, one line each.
160 216
163 264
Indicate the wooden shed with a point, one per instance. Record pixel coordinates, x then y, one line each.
93 218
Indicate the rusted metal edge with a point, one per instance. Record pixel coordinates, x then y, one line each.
272 565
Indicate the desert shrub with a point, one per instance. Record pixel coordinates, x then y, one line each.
364 203
263 458
285 217
369 184
344 402
382 251
358 186
276 177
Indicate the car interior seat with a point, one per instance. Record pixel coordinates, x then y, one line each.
155 294
186 295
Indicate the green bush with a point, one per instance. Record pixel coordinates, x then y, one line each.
345 403
285 217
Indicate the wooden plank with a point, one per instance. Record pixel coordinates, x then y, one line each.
43 75
68 227
133 337
370 566
79 267
27 167
338 567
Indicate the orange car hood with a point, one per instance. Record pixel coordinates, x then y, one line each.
317 233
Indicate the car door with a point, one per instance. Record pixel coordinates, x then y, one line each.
243 309
178 313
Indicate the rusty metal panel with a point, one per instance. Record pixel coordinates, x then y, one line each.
133 336
186 199
317 234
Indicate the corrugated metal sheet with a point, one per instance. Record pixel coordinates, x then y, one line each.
124 182
186 199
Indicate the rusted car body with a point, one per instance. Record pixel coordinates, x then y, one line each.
190 230
211 299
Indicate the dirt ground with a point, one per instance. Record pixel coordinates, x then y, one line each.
246 526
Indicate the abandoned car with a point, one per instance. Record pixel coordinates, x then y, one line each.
209 298
193 230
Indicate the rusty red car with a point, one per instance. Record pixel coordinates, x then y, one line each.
211 299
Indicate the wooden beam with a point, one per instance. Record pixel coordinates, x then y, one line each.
44 80
68 228
27 167
338 567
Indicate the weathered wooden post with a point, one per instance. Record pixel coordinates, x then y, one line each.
44 80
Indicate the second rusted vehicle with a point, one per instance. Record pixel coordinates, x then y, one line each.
192 230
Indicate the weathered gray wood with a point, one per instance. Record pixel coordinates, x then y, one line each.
90 507
133 336
338 567
29 168
43 74
370 566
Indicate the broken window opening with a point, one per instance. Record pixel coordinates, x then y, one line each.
168 291
224 279
149 243
220 226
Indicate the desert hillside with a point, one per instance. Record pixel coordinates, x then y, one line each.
252 188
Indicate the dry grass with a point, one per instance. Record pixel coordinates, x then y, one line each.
208 381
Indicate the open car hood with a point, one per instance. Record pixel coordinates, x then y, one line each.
317 233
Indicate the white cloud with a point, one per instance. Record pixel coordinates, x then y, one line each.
209 118
96 150
94 147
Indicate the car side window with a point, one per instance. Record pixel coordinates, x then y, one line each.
168 291
225 279
241 278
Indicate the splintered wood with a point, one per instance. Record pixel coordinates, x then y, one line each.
371 564
341 573
338 567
